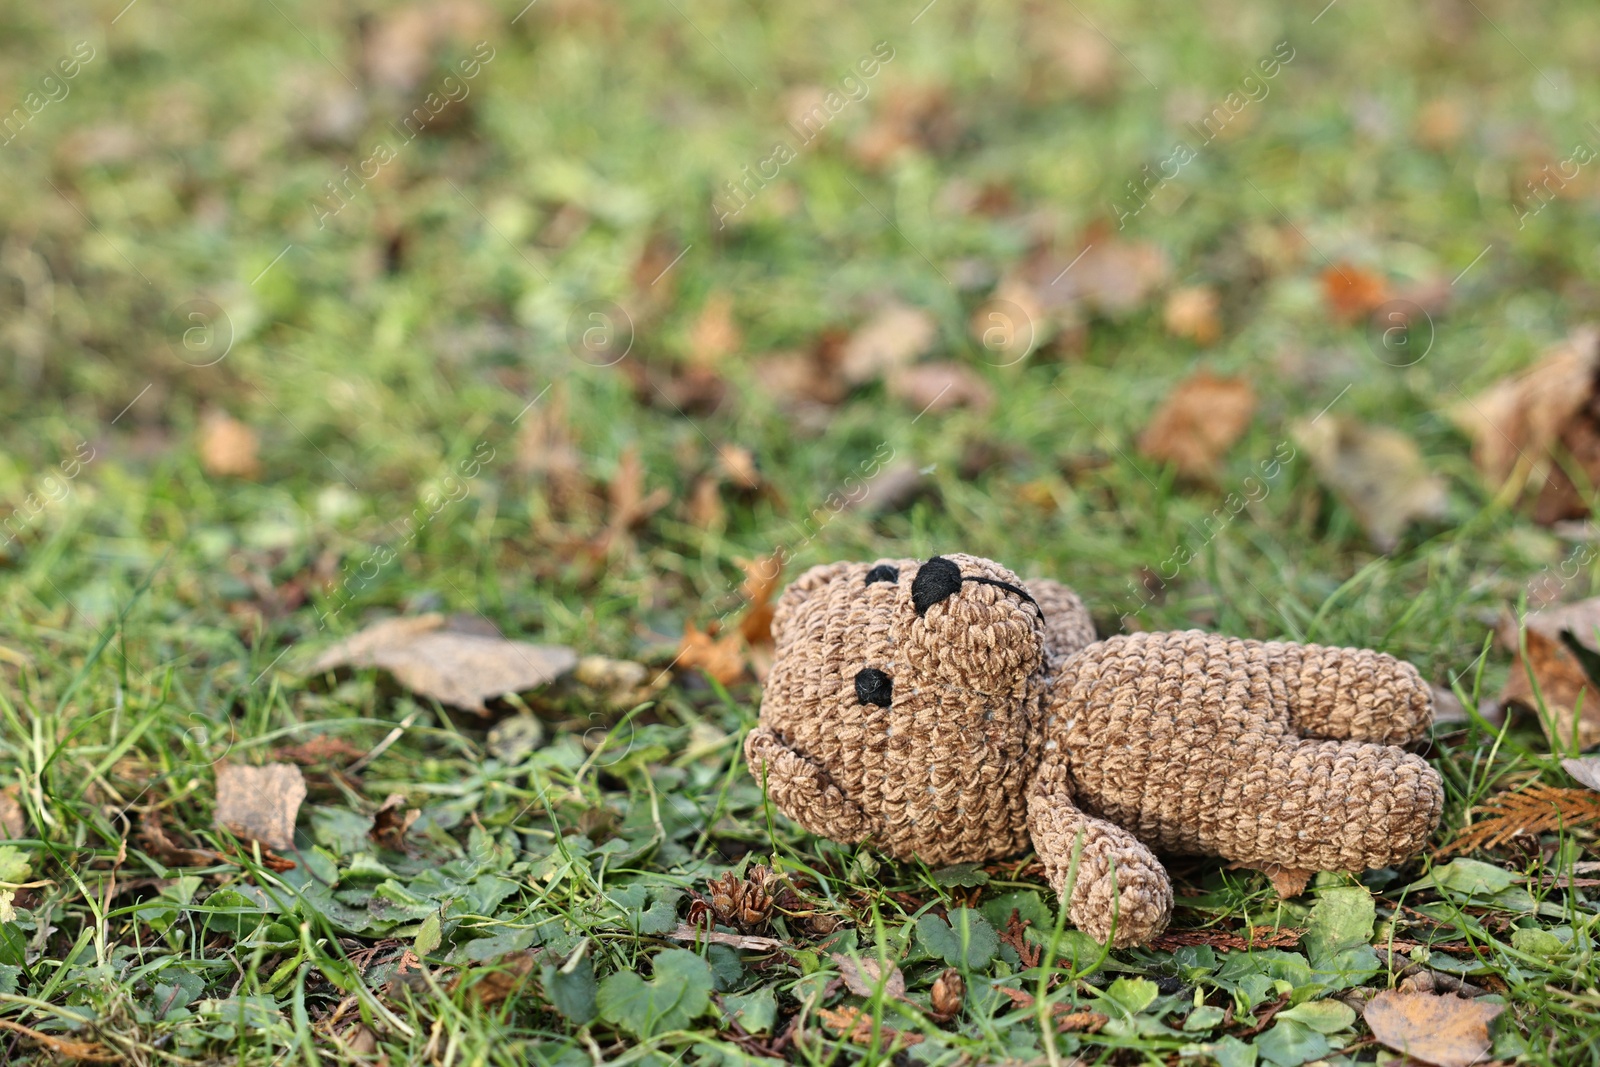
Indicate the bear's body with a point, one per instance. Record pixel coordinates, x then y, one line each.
950 712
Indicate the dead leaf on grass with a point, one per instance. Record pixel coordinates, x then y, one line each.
1585 771
509 974
1379 473
391 822
1352 293
1522 422
715 335
461 670
685 932
1527 812
1447 1031
228 447
721 658
940 386
260 803
1192 313
891 339
13 820
855 1024
401 45
762 578
82 1051
1552 645
865 976
1198 422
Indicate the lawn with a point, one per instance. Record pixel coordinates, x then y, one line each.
575 322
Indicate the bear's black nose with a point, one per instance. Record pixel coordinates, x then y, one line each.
935 580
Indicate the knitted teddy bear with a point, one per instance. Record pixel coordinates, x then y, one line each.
946 710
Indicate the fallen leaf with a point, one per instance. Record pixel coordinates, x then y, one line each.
630 505
82 1051
1288 881
13 820
864 977
502 981
1192 313
800 378
153 839
1440 123
907 118
228 447
940 386
1446 1031
461 670
761 582
1553 645
1082 56
1198 422
1379 474
620 683
1519 425
856 1025
892 338
401 44
714 335
391 822
260 803
1088 1022
1352 293
721 658
1585 771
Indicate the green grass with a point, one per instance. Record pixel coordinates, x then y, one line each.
153 617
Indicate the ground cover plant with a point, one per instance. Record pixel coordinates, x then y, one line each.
409 413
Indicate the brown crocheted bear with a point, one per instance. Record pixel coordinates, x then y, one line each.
949 711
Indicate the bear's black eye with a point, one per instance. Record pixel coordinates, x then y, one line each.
883 572
874 687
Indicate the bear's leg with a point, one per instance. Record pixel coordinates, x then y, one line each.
1121 893
1351 694
1325 806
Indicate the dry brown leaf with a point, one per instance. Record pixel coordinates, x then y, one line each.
1082 1021
714 335
13 820
630 505
1352 293
82 1051
260 803
1447 1031
510 973
391 822
761 582
1528 812
1520 422
892 338
324 748
1193 313
721 658
1198 422
856 1025
458 669
940 386
1585 771
1082 56
800 378
1379 474
1115 277
401 44
228 448
154 840
1544 647
1440 123
907 118
864 977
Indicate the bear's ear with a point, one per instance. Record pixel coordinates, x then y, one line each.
802 790
799 591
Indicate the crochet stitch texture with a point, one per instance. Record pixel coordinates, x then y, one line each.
946 710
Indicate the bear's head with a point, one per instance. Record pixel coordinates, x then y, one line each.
904 705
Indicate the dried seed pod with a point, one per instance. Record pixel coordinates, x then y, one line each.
948 991
743 903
